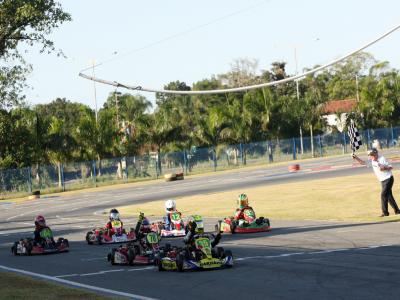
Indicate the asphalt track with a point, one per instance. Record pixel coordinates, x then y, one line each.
297 259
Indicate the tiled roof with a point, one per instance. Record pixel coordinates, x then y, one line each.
339 106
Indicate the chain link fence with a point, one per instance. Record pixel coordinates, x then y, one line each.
78 175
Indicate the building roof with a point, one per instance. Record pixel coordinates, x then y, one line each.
339 106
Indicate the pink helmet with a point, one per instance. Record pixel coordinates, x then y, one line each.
40 220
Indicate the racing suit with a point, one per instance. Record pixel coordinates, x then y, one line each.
191 236
246 214
141 232
168 222
109 228
37 233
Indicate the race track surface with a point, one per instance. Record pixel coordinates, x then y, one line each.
297 259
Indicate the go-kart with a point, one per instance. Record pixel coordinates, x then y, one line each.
101 236
177 226
144 251
202 257
28 246
230 225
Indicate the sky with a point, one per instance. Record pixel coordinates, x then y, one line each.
153 42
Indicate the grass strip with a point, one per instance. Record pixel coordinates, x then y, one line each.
13 286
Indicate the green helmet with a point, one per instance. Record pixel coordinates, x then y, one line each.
243 200
198 220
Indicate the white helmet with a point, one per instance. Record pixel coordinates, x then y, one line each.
170 205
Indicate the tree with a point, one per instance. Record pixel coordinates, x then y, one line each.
28 22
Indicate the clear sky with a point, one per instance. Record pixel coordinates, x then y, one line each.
153 42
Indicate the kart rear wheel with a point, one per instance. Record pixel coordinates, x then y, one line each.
179 261
66 243
88 234
131 256
233 227
112 256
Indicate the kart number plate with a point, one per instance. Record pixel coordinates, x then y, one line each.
210 263
119 238
168 264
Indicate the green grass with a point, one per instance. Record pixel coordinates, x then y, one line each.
14 286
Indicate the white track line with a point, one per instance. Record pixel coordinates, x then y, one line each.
309 253
21 215
104 272
77 284
95 258
101 272
141 269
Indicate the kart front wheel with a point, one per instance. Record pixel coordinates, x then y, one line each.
14 248
167 247
160 266
220 252
99 239
179 262
88 234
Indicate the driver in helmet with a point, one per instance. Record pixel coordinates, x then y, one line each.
113 219
170 207
195 230
42 231
244 213
143 227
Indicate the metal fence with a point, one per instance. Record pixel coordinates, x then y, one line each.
78 175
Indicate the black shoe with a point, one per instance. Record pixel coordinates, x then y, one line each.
384 215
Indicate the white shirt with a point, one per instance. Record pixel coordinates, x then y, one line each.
381 175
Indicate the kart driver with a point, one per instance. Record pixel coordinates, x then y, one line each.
195 229
244 214
114 220
42 231
170 207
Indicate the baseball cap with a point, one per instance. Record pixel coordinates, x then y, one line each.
372 152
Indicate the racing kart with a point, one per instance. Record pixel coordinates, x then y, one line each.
100 236
177 226
28 246
230 225
144 251
202 257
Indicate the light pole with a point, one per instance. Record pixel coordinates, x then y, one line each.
298 99
357 95
116 94
94 88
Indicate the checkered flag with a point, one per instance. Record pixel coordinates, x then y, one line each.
355 138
